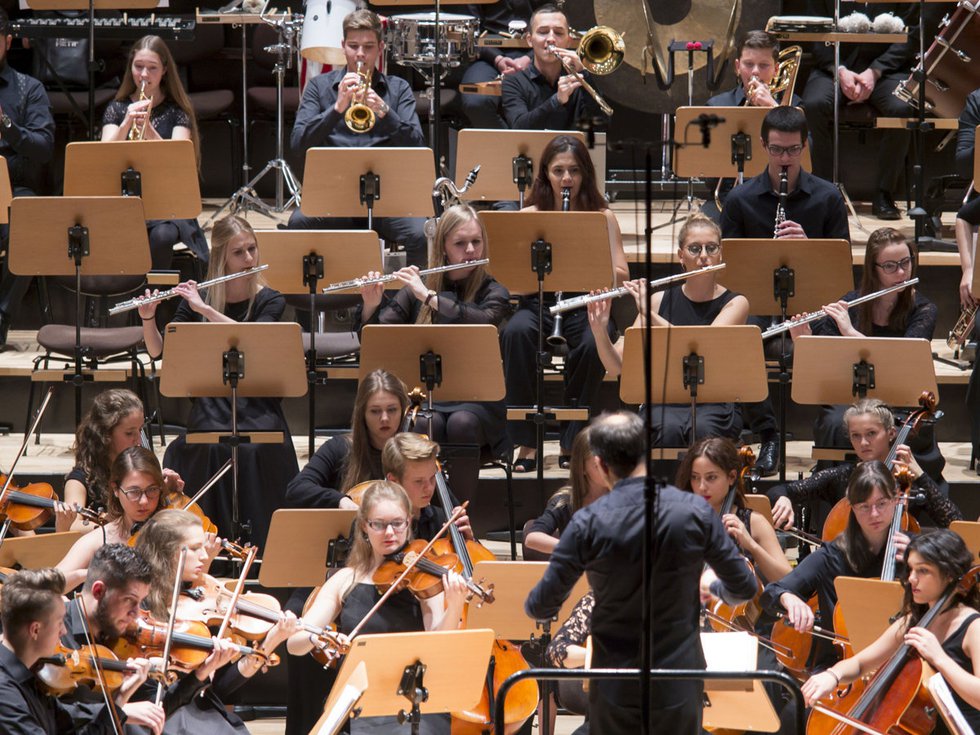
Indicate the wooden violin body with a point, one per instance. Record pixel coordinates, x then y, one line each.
425 580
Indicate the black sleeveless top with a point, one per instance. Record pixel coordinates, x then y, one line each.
400 614
680 311
953 646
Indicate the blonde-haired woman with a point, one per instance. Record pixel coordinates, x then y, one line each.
263 469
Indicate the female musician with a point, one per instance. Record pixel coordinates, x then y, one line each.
160 542
466 296
134 492
857 552
585 485
564 164
710 469
151 104
870 427
951 644
263 469
383 528
700 300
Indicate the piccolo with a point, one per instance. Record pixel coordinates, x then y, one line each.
586 299
170 293
358 282
821 313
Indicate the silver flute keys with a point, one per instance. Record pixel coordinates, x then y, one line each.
358 282
781 205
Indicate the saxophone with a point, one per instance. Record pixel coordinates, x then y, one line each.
137 133
781 206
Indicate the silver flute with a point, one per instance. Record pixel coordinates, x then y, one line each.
170 293
358 282
586 299
821 313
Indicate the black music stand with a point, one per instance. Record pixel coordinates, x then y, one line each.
104 236
209 360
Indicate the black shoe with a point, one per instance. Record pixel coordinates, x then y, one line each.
768 462
4 328
883 206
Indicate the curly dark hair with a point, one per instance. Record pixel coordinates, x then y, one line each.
93 439
947 551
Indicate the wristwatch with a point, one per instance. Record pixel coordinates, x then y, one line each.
431 295
5 122
384 108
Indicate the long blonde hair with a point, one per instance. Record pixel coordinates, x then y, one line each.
225 229
455 216
361 556
159 541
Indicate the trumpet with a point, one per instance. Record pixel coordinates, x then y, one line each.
170 293
359 282
602 51
821 313
360 118
615 293
137 133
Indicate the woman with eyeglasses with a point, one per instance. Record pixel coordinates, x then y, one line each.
383 527
135 487
699 300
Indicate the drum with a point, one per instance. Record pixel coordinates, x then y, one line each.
411 38
323 34
951 71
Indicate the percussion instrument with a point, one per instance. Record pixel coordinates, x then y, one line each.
411 38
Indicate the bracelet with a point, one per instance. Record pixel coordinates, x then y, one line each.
148 318
429 297
833 674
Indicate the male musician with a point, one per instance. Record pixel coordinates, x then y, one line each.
27 142
544 96
320 122
33 610
868 72
411 461
604 540
756 58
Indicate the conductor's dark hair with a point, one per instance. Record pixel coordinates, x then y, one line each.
117 565
786 120
759 40
617 439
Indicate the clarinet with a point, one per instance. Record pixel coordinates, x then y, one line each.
781 206
556 338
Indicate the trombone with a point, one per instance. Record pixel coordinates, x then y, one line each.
602 51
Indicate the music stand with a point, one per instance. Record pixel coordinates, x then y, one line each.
6 193
324 536
733 703
209 360
699 364
300 259
102 236
506 159
347 182
868 607
37 552
162 172
453 662
787 277
969 531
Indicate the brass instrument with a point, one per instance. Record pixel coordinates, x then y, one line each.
556 338
446 194
360 118
786 71
820 313
783 194
602 51
960 333
359 282
138 133
170 293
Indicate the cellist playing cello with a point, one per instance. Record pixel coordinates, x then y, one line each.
950 644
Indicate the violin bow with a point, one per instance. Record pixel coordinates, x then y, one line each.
250 555
168 639
97 664
209 484
27 438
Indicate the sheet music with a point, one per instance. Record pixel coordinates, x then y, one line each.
331 722
943 697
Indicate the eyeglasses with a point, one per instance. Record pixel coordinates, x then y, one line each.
778 150
879 507
695 250
135 493
890 266
399 524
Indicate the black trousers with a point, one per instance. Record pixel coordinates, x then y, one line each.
818 103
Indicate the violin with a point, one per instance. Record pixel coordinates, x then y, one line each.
31 506
68 669
423 579
179 501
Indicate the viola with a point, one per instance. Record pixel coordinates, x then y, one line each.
31 506
179 501
424 580
68 669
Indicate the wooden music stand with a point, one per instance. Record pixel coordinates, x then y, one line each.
37 552
232 361
759 504
868 606
735 703
286 563
453 662
696 365
969 531
101 236
836 370
734 142
506 159
162 172
299 260
6 193
372 182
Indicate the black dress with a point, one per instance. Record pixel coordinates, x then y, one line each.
953 646
263 469
164 234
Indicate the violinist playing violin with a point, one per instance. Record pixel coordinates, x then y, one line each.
950 643
160 542
32 610
383 528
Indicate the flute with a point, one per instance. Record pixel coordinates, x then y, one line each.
821 313
586 299
358 282
170 293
